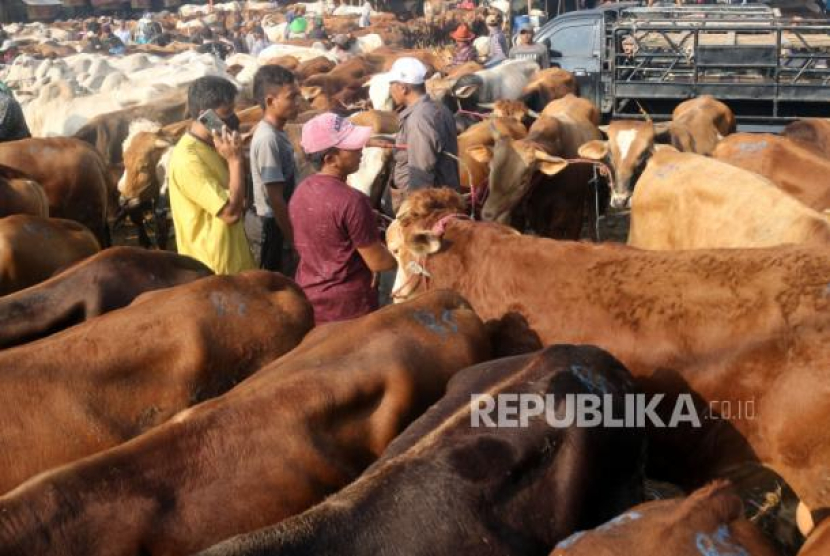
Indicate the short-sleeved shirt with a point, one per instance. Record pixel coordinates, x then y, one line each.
331 221
198 191
272 161
428 131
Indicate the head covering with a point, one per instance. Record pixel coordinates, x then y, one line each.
329 130
298 25
341 40
462 33
7 45
407 70
526 28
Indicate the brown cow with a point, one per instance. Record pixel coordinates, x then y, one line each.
445 487
688 201
728 325
73 175
102 283
697 126
290 63
548 85
116 376
532 172
107 132
802 172
709 522
472 172
295 432
20 195
33 248
320 64
813 133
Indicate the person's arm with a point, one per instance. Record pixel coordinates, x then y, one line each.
229 146
280 208
422 153
377 257
361 225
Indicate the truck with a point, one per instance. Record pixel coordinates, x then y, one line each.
637 62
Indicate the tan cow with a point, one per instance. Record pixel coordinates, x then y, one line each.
112 378
298 430
20 195
548 85
709 522
33 248
474 170
533 171
797 169
688 201
697 126
813 133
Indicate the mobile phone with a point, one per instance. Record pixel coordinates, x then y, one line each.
212 121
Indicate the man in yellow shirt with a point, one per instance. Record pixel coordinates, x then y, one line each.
207 183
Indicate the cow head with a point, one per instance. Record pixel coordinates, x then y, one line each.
513 165
548 85
143 177
414 236
629 146
465 91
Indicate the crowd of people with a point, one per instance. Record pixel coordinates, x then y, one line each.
321 230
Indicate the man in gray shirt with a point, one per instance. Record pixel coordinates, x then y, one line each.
273 169
427 129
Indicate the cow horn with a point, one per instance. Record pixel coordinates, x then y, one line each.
487 105
533 113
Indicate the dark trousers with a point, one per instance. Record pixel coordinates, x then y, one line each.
265 238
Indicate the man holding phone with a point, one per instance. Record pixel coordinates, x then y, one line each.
207 180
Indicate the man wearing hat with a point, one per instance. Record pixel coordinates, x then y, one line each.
427 132
526 49
335 229
8 51
464 51
498 42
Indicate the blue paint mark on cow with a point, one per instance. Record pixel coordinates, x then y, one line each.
752 148
569 542
591 379
218 301
449 319
620 520
430 321
718 543
667 170
242 309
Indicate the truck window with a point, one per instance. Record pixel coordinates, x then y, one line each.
576 41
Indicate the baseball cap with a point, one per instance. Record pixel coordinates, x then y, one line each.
526 28
407 70
330 130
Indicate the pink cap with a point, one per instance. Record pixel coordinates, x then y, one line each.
330 130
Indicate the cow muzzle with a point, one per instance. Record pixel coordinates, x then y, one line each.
620 201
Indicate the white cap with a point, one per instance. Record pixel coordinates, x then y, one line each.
407 70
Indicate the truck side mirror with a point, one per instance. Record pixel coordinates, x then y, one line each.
555 54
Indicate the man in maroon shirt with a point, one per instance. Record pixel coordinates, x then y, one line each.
335 229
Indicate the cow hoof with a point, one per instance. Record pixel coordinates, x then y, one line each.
804 519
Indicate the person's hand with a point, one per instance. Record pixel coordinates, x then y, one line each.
228 145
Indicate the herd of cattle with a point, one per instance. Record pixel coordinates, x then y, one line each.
152 408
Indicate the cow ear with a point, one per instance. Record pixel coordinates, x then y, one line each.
465 91
310 92
549 165
424 243
595 150
481 154
665 148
